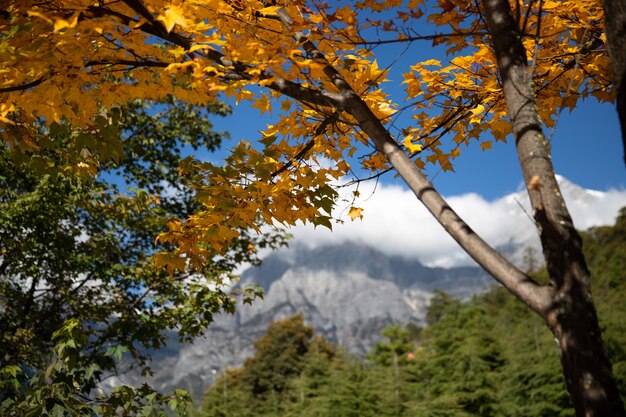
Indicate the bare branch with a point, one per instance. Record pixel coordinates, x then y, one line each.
127 62
418 38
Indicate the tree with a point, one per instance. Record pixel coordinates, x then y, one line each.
314 62
78 249
393 351
392 357
608 258
314 384
439 302
459 364
290 368
64 385
278 356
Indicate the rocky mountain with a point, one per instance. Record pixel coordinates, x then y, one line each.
347 292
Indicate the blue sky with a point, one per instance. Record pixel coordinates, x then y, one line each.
586 144
587 150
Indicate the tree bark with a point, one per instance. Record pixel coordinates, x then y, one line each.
615 27
571 315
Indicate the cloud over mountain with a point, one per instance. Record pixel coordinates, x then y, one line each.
397 224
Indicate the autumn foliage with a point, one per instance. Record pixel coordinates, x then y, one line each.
69 61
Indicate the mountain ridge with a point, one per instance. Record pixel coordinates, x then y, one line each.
347 292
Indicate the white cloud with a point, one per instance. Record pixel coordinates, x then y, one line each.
396 223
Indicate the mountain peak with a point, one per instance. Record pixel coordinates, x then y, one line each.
346 256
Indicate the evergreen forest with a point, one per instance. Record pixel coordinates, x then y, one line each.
488 356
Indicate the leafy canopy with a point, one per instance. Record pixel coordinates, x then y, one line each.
79 291
70 60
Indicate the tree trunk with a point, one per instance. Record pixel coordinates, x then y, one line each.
571 313
615 26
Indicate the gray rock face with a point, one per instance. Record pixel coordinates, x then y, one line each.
348 293
345 305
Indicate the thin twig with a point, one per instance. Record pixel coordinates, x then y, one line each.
300 155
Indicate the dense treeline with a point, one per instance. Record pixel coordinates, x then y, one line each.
485 357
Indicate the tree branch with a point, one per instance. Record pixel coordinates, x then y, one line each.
21 87
128 63
516 281
419 38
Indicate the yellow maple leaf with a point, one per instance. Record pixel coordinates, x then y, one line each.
5 109
39 15
434 62
500 128
269 11
61 24
355 213
171 262
385 110
414 4
412 147
476 114
173 15
263 104
174 225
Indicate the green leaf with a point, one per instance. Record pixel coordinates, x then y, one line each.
11 370
324 221
58 411
116 352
